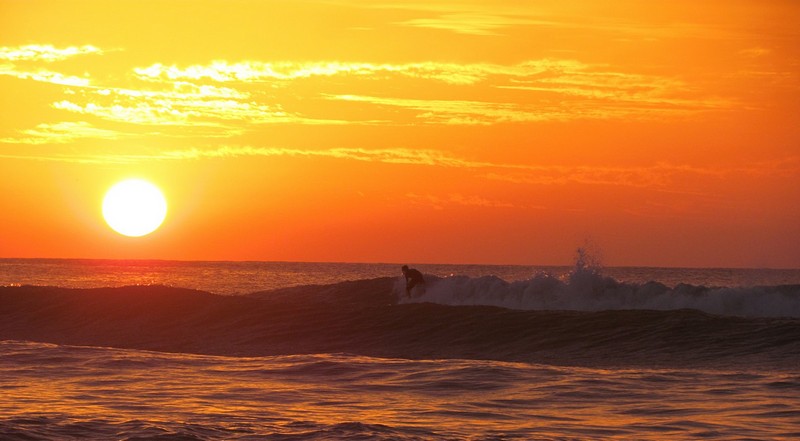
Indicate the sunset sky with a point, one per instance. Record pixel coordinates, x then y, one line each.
509 132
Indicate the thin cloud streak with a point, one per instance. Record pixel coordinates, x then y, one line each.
473 23
60 133
215 111
282 71
459 199
661 176
44 76
462 112
490 19
45 52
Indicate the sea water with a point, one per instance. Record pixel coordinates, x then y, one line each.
270 350
248 277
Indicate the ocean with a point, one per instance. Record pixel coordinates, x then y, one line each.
169 350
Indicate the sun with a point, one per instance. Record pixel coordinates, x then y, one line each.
134 207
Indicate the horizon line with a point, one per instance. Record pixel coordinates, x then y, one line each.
142 259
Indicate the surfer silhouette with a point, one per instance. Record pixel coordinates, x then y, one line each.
413 278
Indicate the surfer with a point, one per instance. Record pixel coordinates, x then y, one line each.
413 278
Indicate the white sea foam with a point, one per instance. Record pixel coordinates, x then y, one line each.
585 289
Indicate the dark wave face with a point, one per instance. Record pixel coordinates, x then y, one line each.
365 318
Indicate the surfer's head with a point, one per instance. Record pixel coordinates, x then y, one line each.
404 269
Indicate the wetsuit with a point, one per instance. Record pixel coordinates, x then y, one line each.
413 278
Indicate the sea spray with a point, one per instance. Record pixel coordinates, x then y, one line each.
585 288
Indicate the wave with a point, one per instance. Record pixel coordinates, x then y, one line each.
60 427
364 317
587 290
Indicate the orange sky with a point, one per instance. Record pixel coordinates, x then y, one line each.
455 132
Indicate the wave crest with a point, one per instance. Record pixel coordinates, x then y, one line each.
585 289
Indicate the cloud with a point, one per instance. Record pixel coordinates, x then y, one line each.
61 132
585 81
459 112
387 155
186 105
424 157
458 199
19 62
44 52
226 99
663 177
45 76
255 71
277 72
586 91
178 112
192 94
755 52
471 23
482 18
463 112
466 17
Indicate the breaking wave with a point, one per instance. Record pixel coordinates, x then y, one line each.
588 290
585 319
